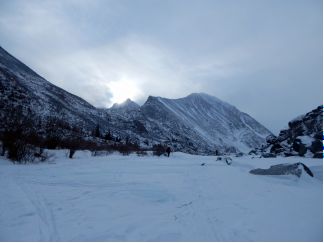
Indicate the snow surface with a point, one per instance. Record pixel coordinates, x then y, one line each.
130 198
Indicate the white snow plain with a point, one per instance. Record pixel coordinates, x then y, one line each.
131 198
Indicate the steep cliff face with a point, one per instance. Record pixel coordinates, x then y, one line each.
303 137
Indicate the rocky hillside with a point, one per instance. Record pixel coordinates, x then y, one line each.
201 123
198 123
22 87
302 138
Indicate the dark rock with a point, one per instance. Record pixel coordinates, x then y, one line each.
268 155
277 148
253 151
271 139
297 127
299 147
228 160
318 155
318 135
317 146
284 169
307 170
283 135
239 154
289 154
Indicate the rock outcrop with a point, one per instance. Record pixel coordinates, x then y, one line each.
302 138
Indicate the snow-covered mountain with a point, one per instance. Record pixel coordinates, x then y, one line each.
21 86
127 105
201 123
126 110
198 123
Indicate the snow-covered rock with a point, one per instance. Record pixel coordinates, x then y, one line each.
303 137
284 169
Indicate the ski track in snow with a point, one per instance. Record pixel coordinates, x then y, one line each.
130 198
44 212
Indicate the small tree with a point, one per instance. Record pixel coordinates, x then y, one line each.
108 136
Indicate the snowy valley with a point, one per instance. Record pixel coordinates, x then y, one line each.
73 194
82 189
131 198
161 121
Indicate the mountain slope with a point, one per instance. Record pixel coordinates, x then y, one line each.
202 122
21 86
198 123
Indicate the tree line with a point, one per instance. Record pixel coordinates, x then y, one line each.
24 136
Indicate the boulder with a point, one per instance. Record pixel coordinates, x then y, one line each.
318 155
289 154
268 155
317 146
299 147
228 160
284 169
283 135
253 151
240 154
319 135
277 148
271 139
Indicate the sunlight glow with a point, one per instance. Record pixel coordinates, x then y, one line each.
124 89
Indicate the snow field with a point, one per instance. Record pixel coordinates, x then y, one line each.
130 198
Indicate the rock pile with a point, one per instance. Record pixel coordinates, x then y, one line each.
302 138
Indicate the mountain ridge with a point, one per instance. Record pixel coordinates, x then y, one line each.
197 123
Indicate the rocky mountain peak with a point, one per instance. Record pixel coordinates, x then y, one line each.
126 105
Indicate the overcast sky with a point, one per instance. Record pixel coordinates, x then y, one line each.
262 56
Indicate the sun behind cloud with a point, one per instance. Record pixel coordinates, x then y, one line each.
124 89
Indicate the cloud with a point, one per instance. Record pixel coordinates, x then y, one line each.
140 67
